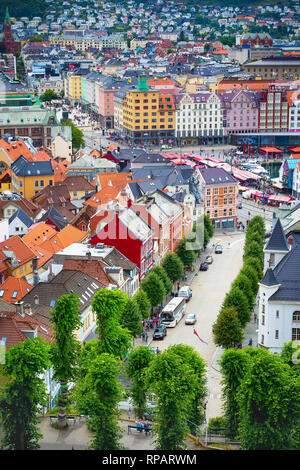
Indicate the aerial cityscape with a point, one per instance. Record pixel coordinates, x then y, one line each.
150 227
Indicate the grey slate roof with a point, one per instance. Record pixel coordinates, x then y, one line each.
214 176
287 273
53 214
269 279
23 167
277 241
66 282
22 216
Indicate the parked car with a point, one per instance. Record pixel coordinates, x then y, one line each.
218 249
190 319
185 292
209 259
160 332
203 266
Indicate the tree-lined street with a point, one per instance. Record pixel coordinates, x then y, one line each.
209 289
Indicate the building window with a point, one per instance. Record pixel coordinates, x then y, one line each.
262 339
262 319
277 313
36 184
296 315
276 334
295 334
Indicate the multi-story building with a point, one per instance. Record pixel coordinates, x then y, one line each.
148 117
279 300
273 110
9 42
124 229
199 118
25 121
219 191
274 68
29 177
255 40
73 87
294 116
240 112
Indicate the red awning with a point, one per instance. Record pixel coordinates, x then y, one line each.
270 149
280 198
295 149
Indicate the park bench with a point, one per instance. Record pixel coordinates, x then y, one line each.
139 429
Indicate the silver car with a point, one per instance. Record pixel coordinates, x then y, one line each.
190 319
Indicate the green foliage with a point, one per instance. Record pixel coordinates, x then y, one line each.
65 321
245 285
171 379
143 303
154 288
217 425
256 265
109 306
23 393
18 8
49 95
234 365
77 135
268 401
161 273
187 256
290 354
138 361
173 266
238 300
227 330
253 249
196 415
249 271
208 225
131 318
97 395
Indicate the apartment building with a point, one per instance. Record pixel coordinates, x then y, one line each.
219 191
273 110
148 116
199 118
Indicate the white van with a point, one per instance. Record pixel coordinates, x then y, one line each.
185 292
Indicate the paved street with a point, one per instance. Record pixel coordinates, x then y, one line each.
209 289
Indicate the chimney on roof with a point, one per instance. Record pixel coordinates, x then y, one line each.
36 300
89 255
20 307
290 241
27 309
36 278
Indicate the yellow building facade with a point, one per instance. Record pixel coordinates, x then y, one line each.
148 116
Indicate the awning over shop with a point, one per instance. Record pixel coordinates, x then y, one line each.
280 198
295 150
270 150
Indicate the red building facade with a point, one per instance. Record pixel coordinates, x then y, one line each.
8 42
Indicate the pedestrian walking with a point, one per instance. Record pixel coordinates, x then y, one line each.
250 342
255 317
146 338
157 350
143 336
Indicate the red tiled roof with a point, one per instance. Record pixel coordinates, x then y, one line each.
14 284
13 325
94 268
21 251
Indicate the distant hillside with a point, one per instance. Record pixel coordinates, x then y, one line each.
18 8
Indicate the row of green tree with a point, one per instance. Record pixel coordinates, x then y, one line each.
239 302
176 377
261 397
